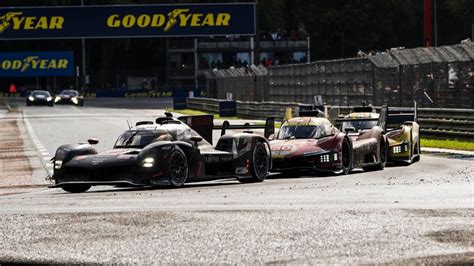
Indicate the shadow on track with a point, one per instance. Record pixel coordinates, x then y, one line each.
204 184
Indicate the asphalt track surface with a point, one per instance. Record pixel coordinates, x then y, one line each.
422 213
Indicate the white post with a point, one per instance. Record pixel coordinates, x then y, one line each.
252 52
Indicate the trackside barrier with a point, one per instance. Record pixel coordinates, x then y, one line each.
441 123
253 110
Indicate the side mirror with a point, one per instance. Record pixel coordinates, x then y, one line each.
350 129
93 141
271 137
196 139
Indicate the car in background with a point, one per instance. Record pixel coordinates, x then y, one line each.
369 143
310 144
39 97
69 97
403 134
168 152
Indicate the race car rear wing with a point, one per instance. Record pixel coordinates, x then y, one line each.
389 118
204 124
269 127
396 116
311 113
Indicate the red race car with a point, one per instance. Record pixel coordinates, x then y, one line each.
311 144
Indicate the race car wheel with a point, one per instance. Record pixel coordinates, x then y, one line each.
346 157
178 168
383 154
76 188
412 146
417 153
382 158
260 164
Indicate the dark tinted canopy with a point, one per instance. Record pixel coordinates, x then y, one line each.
42 93
70 92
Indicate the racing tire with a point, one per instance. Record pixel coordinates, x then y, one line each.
28 104
417 155
259 165
76 188
177 168
383 158
346 157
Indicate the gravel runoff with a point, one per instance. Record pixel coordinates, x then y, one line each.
333 235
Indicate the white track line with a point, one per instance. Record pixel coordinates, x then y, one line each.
44 154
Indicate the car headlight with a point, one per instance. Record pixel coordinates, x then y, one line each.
49 98
397 149
328 157
58 164
74 100
325 158
148 162
57 99
400 148
31 98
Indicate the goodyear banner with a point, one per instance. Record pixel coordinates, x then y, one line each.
127 21
35 64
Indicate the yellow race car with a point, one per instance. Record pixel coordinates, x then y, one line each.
403 134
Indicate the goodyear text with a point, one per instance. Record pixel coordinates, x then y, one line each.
127 21
179 17
20 64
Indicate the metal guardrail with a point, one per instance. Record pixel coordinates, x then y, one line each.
441 123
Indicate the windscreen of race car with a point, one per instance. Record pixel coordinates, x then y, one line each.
359 124
140 139
300 132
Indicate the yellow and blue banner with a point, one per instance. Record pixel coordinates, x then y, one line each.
36 64
114 21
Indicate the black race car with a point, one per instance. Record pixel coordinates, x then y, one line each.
69 97
169 152
39 97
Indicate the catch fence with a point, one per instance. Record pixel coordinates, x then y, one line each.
440 77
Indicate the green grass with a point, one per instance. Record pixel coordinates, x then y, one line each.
448 144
